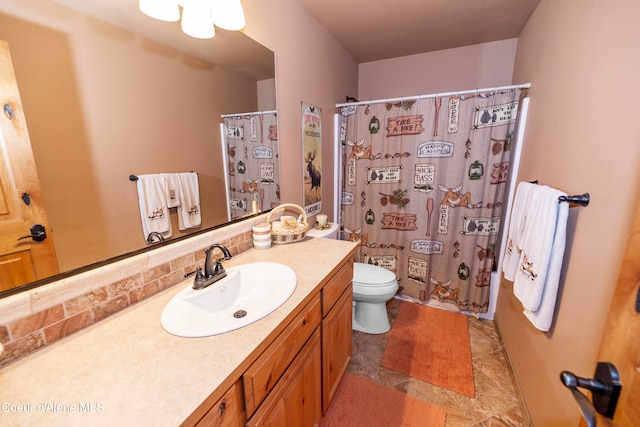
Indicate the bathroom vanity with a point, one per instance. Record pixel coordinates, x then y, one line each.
127 370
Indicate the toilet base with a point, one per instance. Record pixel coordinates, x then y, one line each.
370 318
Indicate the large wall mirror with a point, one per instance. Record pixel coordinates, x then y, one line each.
109 92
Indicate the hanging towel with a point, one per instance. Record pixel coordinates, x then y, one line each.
154 212
522 205
172 189
538 274
543 317
189 209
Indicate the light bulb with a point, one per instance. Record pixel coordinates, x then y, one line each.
228 14
197 23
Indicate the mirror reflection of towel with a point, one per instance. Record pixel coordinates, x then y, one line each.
172 181
154 212
189 210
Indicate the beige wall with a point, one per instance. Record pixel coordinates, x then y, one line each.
469 67
583 135
311 67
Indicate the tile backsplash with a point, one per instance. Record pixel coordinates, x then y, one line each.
36 318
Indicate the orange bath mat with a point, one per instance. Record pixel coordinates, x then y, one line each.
362 402
432 345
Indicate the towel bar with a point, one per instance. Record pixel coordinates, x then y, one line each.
579 199
135 177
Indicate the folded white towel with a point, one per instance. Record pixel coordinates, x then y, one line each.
172 180
538 274
189 210
517 229
154 212
542 318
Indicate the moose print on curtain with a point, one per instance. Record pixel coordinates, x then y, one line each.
423 189
251 141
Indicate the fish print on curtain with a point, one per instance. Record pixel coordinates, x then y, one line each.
423 189
251 141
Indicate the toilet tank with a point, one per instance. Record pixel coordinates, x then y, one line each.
330 232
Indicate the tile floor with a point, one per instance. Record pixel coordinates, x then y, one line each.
496 403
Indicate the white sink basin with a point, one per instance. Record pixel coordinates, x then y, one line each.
248 293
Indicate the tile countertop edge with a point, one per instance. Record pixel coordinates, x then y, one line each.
127 369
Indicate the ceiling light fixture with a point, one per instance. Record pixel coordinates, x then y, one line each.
198 16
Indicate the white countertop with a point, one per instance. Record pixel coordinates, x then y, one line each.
127 370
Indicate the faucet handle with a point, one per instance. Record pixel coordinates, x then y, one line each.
199 280
197 272
219 268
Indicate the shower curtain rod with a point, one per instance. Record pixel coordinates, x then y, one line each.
248 114
435 95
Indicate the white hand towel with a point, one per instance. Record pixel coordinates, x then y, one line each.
154 212
173 189
189 210
542 318
517 228
536 245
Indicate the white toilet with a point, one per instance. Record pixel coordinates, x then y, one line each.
373 286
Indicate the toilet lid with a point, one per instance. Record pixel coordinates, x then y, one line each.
372 275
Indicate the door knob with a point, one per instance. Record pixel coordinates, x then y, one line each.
38 233
605 389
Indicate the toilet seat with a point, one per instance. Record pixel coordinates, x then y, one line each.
370 275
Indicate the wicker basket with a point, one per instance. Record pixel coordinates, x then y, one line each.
282 234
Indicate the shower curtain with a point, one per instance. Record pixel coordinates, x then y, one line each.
423 189
251 143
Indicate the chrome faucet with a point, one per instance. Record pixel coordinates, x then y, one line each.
211 274
155 234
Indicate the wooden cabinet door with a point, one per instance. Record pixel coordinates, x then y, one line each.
336 346
295 400
21 202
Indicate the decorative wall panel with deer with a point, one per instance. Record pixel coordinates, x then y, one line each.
251 141
423 189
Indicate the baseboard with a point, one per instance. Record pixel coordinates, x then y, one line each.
520 396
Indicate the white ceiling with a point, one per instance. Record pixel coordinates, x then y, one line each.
374 30
369 30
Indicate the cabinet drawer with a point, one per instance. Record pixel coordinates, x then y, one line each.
263 374
227 411
295 400
336 286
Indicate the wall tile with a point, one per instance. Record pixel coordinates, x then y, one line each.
110 307
86 301
36 321
22 347
67 326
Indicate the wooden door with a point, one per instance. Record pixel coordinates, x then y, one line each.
21 202
336 346
621 339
